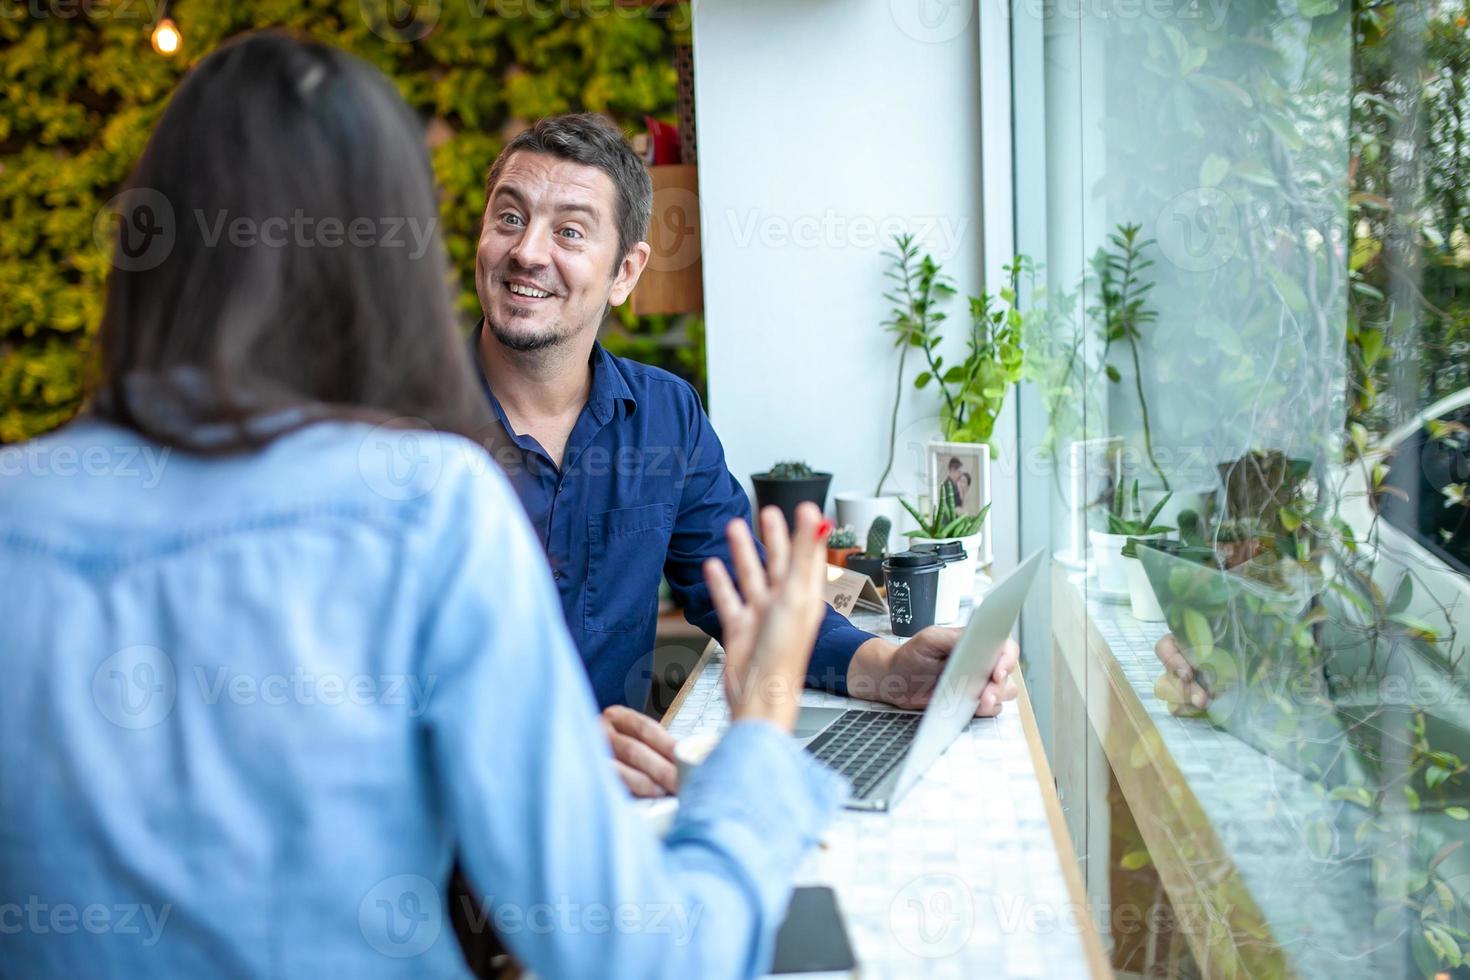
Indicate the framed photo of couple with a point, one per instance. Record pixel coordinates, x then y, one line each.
965 467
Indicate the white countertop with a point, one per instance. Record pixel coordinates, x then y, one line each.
963 877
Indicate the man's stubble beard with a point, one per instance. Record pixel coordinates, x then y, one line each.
551 338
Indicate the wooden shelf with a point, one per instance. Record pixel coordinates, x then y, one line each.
673 282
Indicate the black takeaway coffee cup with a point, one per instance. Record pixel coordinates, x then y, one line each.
913 590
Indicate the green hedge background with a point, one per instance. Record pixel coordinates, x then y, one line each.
81 87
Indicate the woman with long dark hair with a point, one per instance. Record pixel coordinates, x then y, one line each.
278 641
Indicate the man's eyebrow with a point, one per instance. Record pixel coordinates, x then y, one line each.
580 207
574 206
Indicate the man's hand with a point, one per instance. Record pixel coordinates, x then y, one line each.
1177 686
643 751
905 676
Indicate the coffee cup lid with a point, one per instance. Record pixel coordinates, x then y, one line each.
950 551
913 559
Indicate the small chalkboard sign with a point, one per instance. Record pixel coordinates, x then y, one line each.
848 590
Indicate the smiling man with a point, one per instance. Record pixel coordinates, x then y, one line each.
615 461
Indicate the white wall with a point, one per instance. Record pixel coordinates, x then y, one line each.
825 126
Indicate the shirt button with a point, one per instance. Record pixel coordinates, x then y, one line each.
557 575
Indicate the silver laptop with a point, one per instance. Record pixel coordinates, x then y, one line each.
884 752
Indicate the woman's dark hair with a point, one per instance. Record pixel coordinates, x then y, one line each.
277 260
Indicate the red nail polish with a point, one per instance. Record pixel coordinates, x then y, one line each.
824 529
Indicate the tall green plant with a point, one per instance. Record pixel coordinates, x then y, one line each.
973 392
920 289
992 364
1122 313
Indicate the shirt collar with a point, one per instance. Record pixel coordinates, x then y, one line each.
609 386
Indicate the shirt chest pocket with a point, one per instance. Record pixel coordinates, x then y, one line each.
625 556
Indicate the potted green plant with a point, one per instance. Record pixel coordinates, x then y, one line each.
944 525
870 560
841 544
1113 527
1122 315
787 484
973 392
921 288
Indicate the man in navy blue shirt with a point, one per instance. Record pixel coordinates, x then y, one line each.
616 463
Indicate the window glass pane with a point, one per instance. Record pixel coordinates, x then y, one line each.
1247 428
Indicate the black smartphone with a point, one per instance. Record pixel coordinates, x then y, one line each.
813 938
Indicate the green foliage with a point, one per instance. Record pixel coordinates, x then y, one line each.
974 391
792 470
843 537
1121 313
1122 516
1409 224
945 522
915 316
79 96
878 537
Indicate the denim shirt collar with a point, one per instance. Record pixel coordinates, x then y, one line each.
609 387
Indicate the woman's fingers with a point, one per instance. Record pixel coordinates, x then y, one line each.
747 564
728 605
778 543
808 552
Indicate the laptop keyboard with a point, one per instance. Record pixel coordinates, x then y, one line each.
865 745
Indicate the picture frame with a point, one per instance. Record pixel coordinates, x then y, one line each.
967 466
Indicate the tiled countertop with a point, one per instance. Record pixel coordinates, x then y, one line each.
1261 816
963 877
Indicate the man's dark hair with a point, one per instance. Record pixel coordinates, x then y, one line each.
206 346
954 463
590 139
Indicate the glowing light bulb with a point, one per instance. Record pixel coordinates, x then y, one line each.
166 37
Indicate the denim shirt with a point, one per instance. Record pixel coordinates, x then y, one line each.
643 491
253 706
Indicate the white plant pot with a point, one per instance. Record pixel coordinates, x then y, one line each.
956 581
1107 558
860 510
1146 608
